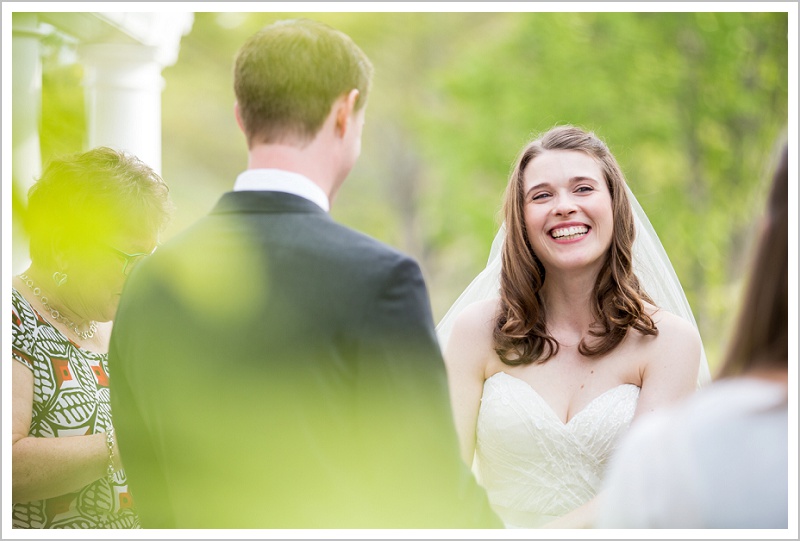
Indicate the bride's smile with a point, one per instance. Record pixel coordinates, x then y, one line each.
567 232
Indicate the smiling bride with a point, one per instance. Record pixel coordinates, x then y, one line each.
570 334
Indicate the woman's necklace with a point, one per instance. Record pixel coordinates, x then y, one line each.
55 314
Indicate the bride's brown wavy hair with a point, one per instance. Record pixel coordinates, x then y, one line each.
520 332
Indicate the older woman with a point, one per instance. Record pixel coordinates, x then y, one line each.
91 217
546 375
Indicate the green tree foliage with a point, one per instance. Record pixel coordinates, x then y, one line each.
690 103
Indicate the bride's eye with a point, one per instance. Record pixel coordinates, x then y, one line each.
540 196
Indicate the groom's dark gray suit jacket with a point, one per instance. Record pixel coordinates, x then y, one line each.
271 368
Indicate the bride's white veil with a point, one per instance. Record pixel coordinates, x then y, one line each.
650 262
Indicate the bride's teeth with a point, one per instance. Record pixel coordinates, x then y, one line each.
569 231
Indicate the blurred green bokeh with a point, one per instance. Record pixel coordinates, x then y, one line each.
692 105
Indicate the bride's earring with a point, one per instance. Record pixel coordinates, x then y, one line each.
59 278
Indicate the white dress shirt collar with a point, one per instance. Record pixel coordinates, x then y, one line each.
278 180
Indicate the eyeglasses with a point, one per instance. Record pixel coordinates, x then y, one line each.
130 259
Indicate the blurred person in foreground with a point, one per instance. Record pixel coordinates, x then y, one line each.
720 459
277 369
91 218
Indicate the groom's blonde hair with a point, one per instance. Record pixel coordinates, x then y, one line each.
520 333
288 75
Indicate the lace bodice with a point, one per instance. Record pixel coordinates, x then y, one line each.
534 466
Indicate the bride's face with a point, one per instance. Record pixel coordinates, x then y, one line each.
567 207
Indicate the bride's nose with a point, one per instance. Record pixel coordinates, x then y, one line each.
564 205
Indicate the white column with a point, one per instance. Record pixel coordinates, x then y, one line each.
26 96
26 106
123 98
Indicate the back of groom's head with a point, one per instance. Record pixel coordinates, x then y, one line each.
288 75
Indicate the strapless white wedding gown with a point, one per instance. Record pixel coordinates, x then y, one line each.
535 467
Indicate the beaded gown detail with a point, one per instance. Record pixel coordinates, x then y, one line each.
534 466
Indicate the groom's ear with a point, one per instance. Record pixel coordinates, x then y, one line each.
238 116
346 105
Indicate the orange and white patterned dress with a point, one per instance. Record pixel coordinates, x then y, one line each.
70 398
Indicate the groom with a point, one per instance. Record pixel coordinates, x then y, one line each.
270 367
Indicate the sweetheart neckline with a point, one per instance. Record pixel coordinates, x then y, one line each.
550 408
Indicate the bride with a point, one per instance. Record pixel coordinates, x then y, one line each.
577 326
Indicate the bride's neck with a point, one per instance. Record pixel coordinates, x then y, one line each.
568 289
568 304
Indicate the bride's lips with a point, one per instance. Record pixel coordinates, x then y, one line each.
569 231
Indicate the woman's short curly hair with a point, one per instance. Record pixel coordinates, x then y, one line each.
85 198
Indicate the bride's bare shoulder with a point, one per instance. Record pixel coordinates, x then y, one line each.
678 340
473 327
478 317
672 326
471 343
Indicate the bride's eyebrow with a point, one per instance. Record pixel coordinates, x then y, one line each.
573 180
532 189
538 186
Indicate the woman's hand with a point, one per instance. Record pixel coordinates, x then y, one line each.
44 468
